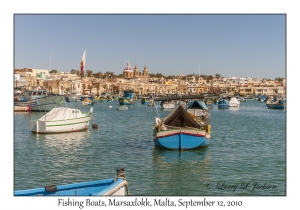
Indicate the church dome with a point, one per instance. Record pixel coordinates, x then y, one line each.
128 68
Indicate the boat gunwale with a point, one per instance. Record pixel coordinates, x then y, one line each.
75 186
87 116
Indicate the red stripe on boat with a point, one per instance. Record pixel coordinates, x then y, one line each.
173 134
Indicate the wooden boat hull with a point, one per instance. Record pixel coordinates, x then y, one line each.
223 106
275 106
181 138
105 187
76 124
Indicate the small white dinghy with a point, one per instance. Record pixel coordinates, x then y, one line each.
61 119
234 102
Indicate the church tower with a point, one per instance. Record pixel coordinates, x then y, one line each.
145 71
136 71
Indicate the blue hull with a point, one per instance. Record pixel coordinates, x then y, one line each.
98 187
126 103
222 106
181 140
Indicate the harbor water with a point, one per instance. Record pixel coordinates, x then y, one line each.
246 154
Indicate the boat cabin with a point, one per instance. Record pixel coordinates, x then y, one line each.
34 94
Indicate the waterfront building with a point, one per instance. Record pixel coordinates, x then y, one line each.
19 81
31 72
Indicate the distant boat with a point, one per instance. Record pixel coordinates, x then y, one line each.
151 102
234 102
145 100
216 101
117 186
275 104
262 98
167 104
122 107
223 104
196 107
87 101
125 101
60 120
40 104
209 104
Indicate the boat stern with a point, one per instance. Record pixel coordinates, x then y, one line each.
37 126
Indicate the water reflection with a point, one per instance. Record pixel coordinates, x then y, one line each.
72 137
234 108
59 157
178 172
172 156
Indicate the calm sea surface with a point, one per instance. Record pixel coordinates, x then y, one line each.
246 155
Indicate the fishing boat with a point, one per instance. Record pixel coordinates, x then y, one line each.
209 104
182 103
117 186
216 101
275 103
234 102
223 104
262 98
60 120
167 104
34 94
126 101
129 94
151 102
183 129
145 100
87 100
196 106
122 107
101 99
40 104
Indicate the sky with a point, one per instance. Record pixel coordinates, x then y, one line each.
240 45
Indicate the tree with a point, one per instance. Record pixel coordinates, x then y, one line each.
98 75
73 71
210 77
218 75
89 73
53 71
159 75
279 79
